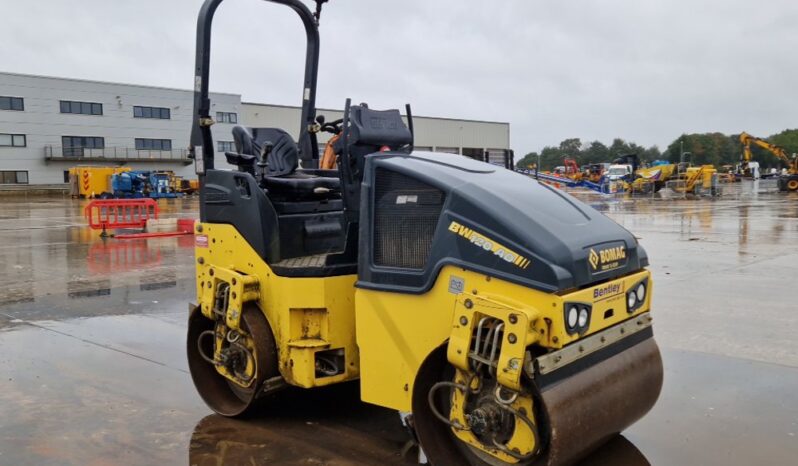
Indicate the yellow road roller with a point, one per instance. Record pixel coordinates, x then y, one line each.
509 322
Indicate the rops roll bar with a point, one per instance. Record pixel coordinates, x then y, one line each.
202 120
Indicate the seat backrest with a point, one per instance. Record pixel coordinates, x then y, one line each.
284 157
367 132
378 128
243 141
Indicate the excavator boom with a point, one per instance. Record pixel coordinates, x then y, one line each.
746 140
788 181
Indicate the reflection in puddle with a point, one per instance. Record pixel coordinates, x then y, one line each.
328 425
89 298
89 293
331 426
157 286
114 256
159 280
18 297
617 452
88 289
49 267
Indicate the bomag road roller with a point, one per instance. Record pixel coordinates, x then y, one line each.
508 322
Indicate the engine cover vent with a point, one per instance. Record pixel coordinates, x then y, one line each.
406 213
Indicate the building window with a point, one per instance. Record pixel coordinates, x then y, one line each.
474 153
151 112
12 140
74 145
13 177
225 146
81 108
448 150
12 103
226 117
153 144
499 157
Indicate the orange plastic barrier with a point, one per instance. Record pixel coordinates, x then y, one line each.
158 234
186 225
105 214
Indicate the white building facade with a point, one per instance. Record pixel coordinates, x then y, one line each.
49 124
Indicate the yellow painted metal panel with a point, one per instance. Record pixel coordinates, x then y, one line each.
396 332
333 297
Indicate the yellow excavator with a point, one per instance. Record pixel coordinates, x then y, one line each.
788 181
508 322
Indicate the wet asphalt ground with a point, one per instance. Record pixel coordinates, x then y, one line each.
93 370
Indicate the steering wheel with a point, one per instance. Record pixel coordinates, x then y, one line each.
333 127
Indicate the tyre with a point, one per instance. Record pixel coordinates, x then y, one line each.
256 343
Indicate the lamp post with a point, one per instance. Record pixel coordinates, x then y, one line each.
682 158
537 167
682 153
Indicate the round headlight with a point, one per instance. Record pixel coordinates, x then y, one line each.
631 300
573 316
583 315
641 292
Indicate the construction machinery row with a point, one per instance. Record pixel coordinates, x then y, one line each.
122 182
625 175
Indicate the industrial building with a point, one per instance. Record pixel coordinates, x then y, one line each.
49 124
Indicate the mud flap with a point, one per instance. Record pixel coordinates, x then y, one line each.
589 407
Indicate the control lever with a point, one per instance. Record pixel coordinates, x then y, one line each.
332 127
263 162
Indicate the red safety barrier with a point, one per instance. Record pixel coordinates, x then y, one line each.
157 234
105 214
186 225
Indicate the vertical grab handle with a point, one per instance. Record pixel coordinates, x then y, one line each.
347 165
410 126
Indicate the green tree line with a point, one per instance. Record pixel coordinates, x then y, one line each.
700 148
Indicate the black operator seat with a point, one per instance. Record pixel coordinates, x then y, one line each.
371 131
366 132
282 176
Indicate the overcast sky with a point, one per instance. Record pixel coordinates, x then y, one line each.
646 71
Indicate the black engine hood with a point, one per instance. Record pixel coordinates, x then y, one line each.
504 224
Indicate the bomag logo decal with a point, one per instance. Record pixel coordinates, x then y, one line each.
483 242
606 259
594 259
